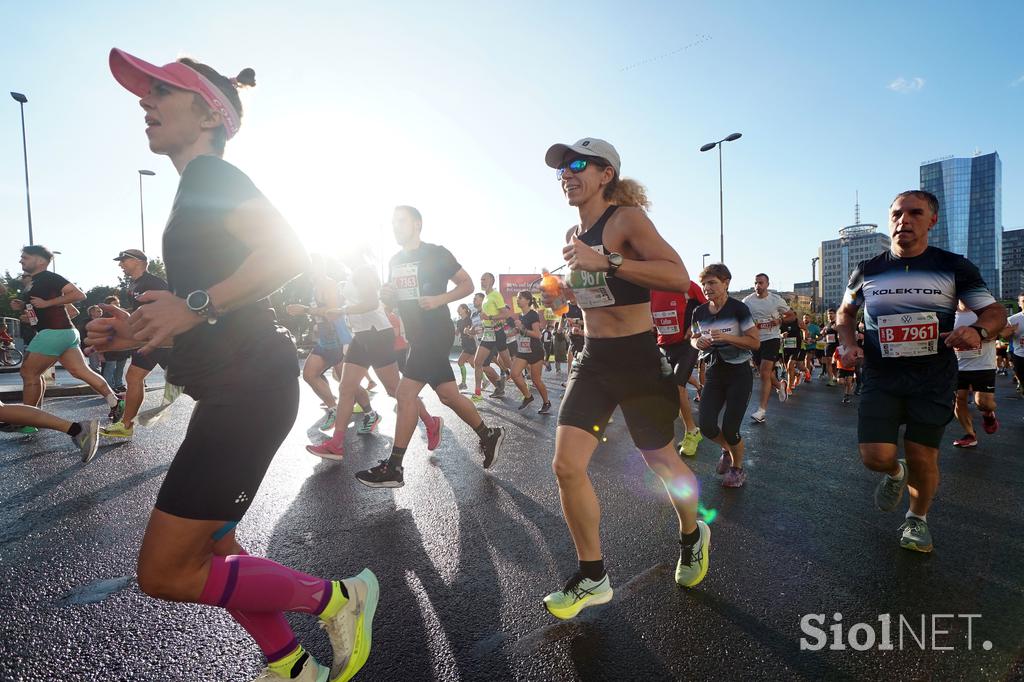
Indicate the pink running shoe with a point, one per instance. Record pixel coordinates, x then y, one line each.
735 478
434 433
329 449
989 422
724 462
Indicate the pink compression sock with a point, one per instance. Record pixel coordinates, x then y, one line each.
254 584
270 630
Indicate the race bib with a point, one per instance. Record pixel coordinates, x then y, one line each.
830 338
591 289
968 354
908 335
789 343
765 324
405 278
488 335
667 322
523 345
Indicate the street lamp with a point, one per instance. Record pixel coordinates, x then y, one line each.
721 212
21 100
142 215
53 261
704 260
814 290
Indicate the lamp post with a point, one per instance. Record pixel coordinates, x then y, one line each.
704 260
142 215
721 203
53 261
814 291
21 100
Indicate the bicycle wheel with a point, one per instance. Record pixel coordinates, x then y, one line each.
11 357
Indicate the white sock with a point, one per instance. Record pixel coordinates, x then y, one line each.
111 400
912 515
903 472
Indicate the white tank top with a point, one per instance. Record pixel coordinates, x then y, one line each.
361 322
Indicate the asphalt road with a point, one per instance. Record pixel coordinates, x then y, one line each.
465 556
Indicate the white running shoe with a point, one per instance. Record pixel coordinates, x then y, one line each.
350 630
783 393
759 416
311 672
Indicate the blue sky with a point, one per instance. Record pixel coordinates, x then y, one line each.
450 107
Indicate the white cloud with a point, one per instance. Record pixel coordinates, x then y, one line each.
901 84
1019 81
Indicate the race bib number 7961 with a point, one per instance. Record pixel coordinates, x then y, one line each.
908 334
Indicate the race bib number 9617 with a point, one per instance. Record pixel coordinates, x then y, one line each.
908 335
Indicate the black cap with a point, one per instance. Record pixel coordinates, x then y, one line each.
131 253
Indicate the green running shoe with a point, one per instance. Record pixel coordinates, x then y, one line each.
689 444
27 429
117 430
369 423
327 421
889 492
693 559
915 536
578 594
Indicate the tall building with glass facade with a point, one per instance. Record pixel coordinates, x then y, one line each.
970 194
839 257
1013 262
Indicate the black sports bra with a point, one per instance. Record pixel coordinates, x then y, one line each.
594 289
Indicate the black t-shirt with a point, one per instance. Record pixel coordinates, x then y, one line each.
245 349
529 318
793 331
424 271
573 313
48 285
147 282
463 326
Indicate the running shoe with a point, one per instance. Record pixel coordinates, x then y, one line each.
846 399
490 446
807 376
357 409
311 672
117 430
88 439
966 441
578 594
476 398
499 391
915 536
116 412
526 401
329 449
462 386
351 628
327 422
434 433
688 446
735 478
989 422
759 416
889 492
545 408
783 393
369 423
381 476
693 559
28 430
832 382
724 462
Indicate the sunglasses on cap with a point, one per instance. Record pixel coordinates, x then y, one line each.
576 166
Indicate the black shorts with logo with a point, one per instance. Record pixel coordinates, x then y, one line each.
682 357
627 372
920 397
157 356
372 348
768 350
982 380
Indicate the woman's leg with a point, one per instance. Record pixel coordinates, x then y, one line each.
313 374
390 377
573 449
518 365
351 376
538 380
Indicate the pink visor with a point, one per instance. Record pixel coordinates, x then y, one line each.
137 75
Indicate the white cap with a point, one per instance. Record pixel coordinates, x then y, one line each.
588 146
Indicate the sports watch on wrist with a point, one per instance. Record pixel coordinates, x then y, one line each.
614 263
982 332
199 303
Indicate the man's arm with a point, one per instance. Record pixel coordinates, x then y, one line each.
69 294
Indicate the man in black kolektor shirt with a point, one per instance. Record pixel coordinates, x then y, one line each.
418 285
134 264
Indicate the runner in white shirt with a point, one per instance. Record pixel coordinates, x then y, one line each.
769 310
977 371
1015 329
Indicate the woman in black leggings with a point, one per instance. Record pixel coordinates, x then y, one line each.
725 334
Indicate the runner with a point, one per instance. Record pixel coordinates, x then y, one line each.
482 371
226 248
464 336
673 316
725 334
45 300
977 372
401 343
615 256
492 312
547 340
134 263
831 337
768 309
1015 332
792 345
575 336
811 331
910 294
846 374
418 282
530 353
85 435
373 344
1002 358
114 362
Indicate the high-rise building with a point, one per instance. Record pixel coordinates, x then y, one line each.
970 194
839 257
1013 262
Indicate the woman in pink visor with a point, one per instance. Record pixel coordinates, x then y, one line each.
226 249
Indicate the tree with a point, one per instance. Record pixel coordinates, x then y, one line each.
156 267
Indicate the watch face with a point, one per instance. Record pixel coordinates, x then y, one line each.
197 300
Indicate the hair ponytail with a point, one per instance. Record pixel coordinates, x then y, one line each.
627 192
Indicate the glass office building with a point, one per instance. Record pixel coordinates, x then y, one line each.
970 211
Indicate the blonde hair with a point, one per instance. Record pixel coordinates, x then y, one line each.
627 192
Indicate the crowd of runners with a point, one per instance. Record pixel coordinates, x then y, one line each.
917 337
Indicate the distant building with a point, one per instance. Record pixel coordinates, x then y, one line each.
970 194
805 288
839 257
1013 262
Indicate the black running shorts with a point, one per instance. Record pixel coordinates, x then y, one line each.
768 350
576 343
372 348
428 359
791 354
682 357
983 380
230 441
499 344
627 372
158 356
468 346
921 398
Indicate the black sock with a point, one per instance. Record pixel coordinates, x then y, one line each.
397 454
75 429
297 668
690 538
482 429
341 587
592 570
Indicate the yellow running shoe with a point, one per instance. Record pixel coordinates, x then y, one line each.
117 430
689 444
693 559
578 594
351 628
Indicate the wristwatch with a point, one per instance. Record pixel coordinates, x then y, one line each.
982 332
199 303
614 263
